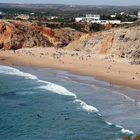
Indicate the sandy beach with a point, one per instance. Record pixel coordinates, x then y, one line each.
114 71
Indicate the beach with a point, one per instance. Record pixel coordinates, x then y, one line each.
64 88
68 71
115 71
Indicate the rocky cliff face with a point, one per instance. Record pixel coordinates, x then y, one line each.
115 43
16 35
67 34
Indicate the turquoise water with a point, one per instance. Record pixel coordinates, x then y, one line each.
56 108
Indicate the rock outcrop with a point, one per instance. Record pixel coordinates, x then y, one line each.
16 35
67 34
135 138
115 43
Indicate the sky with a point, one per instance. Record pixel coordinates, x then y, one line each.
79 2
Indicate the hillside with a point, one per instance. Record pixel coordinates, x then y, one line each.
16 35
116 43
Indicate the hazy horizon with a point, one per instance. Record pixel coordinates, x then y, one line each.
78 2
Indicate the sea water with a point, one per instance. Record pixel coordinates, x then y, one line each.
62 106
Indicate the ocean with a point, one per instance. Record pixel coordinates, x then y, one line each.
48 104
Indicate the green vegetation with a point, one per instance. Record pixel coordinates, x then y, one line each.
65 15
55 25
125 18
97 27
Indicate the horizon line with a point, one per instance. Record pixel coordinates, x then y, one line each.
69 4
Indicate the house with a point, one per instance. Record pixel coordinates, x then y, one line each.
138 14
122 13
96 19
92 17
104 22
32 13
114 22
80 19
22 16
1 15
113 16
53 17
87 18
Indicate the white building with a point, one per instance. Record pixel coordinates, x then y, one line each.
87 18
53 17
122 13
80 19
114 22
112 16
96 19
92 17
139 14
22 16
104 22
1 15
32 13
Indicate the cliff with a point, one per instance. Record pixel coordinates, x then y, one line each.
123 43
16 35
115 43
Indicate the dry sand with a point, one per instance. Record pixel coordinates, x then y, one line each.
115 72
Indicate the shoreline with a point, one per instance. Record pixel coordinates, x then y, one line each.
118 73
43 74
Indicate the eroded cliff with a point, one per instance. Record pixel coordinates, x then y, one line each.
115 43
16 35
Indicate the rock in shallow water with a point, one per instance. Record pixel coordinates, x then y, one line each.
135 138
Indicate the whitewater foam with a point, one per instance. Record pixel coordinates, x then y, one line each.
86 106
56 89
12 71
126 131
63 91
109 123
123 130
